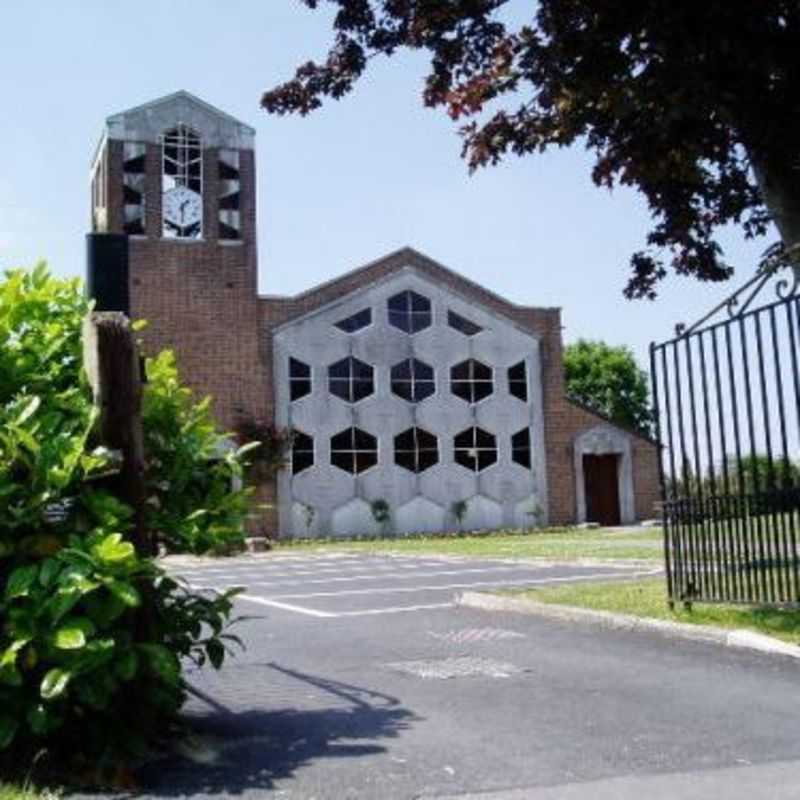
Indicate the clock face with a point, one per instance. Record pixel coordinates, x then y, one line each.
183 212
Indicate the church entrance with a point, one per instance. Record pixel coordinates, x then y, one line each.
601 479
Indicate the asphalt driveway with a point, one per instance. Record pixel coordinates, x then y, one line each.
362 680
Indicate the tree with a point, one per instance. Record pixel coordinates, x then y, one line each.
758 473
608 380
695 104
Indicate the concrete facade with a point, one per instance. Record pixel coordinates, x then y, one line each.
200 299
504 494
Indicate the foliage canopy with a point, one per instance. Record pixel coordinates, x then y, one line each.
608 380
695 104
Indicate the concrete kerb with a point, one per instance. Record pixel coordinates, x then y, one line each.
740 638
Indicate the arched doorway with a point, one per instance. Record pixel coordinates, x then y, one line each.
601 487
604 476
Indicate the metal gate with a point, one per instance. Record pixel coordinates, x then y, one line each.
727 401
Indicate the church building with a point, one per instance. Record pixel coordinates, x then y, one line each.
419 401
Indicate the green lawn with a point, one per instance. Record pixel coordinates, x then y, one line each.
566 544
647 598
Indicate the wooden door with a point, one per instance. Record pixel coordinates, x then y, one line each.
600 476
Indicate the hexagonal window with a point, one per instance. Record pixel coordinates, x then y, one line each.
354 450
462 324
299 379
416 450
413 380
521 448
471 381
351 379
355 322
518 381
409 311
302 452
475 449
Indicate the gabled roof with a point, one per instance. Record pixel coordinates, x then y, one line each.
181 96
532 319
147 121
603 417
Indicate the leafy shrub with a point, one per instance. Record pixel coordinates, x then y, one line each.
92 633
271 453
193 471
381 513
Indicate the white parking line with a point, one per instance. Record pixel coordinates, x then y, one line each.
260 579
369 612
305 557
410 568
310 565
443 587
264 601
394 610
389 576
282 563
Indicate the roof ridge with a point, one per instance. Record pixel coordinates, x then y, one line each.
182 94
415 254
601 415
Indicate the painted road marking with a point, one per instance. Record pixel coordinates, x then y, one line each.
385 563
444 587
457 667
397 575
313 612
260 579
266 579
264 601
410 568
470 635
369 612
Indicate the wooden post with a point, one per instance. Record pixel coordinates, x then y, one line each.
111 361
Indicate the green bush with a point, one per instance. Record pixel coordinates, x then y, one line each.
193 471
93 634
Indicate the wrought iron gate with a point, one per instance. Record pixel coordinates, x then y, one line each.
727 400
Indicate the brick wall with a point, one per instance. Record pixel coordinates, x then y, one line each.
646 479
114 201
199 297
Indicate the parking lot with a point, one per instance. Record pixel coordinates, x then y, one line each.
339 585
361 678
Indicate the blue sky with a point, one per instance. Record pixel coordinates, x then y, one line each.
342 187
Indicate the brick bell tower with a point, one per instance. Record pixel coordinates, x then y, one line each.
173 242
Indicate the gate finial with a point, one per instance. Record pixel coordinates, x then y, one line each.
775 259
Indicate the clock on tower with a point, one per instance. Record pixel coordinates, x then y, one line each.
182 184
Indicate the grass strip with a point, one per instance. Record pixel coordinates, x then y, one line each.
567 544
647 598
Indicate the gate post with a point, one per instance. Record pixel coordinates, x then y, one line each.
111 361
661 476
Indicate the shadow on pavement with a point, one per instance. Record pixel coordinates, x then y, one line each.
234 751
